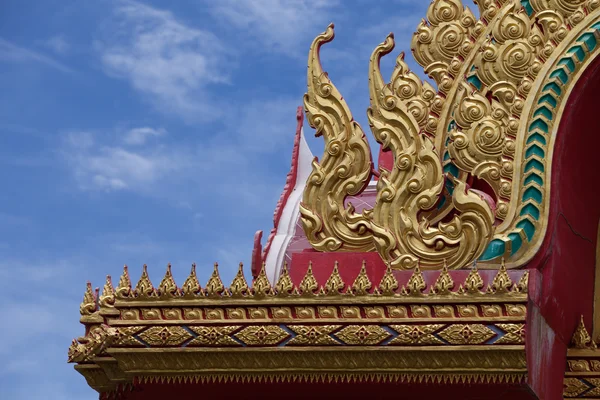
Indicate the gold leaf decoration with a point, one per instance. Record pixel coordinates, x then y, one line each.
308 285
167 287
502 282
144 288
107 298
467 334
362 334
523 284
191 287
214 287
581 338
165 335
284 286
261 286
444 283
473 283
389 283
573 387
214 336
262 335
239 285
416 334
88 305
311 335
362 283
345 168
334 284
515 334
416 284
124 288
414 185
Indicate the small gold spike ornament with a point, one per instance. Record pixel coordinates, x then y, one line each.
144 288
444 283
107 298
214 286
261 286
335 283
309 285
522 285
191 287
416 284
239 285
362 283
88 305
502 282
168 288
389 283
124 288
473 283
284 286
581 338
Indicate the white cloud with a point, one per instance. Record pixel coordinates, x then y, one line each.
111 167
166 60
278 24
58 44
13 53
138 136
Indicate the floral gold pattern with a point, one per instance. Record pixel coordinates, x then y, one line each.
309 335
262 335
362 334
467 334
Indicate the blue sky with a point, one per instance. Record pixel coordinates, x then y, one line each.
150 132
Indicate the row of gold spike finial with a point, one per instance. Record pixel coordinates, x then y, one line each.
308 287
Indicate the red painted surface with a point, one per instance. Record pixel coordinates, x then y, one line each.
350 264
566 259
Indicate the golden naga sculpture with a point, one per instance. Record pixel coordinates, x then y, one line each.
344 170
414 185
470 178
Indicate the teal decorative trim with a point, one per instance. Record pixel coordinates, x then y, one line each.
537 141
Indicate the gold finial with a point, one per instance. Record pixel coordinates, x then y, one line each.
239 285
502 282
581 338
362 283
191 287
124 288
88 305
444 283
107 298
284 286
389 283
168 288
522 285
214 286
261 286
309 284
473 283
335 283
144 288
416 284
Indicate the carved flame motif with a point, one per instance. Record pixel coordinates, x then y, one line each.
487 123
344 170
413 186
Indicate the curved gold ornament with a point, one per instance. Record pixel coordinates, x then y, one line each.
414 186
344 170
502 82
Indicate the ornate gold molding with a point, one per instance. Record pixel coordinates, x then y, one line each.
397 329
